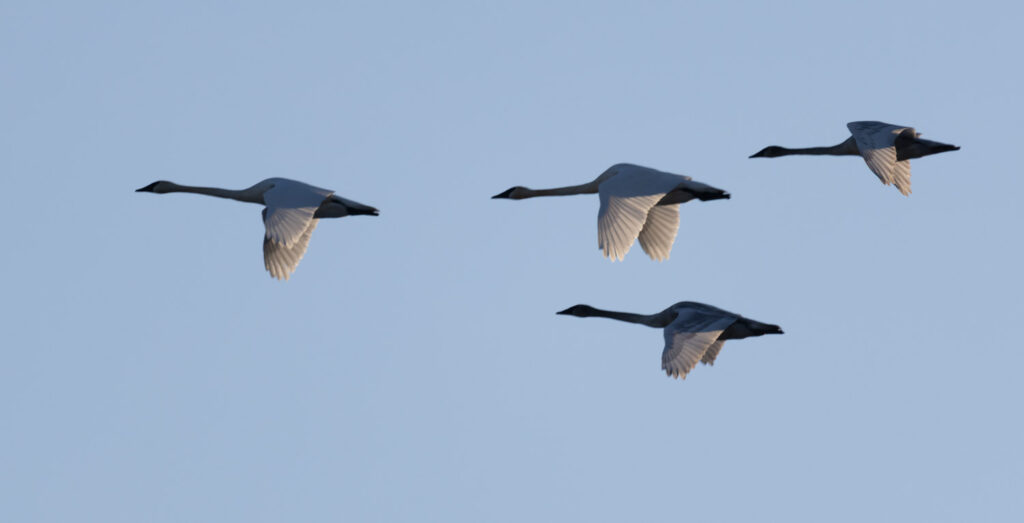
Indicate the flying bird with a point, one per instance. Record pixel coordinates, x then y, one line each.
693 331
637 203
292 211
886 148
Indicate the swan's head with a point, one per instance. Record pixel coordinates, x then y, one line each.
578 310
769 152
515 193
157 187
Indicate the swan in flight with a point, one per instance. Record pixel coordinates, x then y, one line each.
292 212
636 203
886 148
693 331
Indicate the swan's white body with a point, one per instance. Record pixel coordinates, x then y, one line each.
637 203
292 211
886 148
694 332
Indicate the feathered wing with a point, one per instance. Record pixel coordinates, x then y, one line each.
877 144
689 338
290 208
660 231
712 352
626 201
282 260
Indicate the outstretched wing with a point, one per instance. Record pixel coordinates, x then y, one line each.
877 144
282 260
712 352
660 231
689 338
290 208
627 199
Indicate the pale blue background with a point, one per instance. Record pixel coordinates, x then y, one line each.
413 369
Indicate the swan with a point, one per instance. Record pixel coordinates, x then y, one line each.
636 203
693 331
292 211
886 148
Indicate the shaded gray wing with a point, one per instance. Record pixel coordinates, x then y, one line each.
290 207
626 200
688 339
282 260
659 232
877 144
712 352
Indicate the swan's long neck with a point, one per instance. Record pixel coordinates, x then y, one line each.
586 188
847 148
245 195
651 320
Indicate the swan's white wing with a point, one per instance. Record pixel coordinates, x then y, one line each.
285 225
689 337
626 201
712 352
659 231
280 260
290 208
877 144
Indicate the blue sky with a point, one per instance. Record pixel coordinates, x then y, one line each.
413 368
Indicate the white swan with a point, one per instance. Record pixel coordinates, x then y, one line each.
636 203
292 212
693 331
886 148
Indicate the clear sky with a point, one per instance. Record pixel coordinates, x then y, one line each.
413 369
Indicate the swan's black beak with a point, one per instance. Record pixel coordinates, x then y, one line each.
769 152
566 311
506 194
148 188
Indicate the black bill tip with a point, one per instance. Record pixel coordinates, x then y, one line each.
505 194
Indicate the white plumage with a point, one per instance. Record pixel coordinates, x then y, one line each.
689 336
876 143
694 332
886 148
292 211
636 203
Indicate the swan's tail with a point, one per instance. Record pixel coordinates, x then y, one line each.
362 209
764 328
908 147
713 194
335 207
703 191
